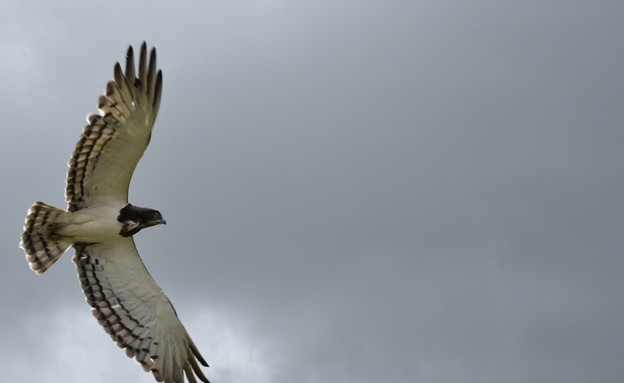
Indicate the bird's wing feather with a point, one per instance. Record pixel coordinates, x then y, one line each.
112 143
132 308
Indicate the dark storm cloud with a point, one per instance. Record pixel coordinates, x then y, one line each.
415 191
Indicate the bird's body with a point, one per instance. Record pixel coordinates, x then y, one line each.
90 225
99 223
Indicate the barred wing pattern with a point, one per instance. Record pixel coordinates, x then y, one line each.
132 308
112 143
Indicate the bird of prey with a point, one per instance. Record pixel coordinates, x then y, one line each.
99 223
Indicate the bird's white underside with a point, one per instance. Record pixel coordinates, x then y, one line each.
91 225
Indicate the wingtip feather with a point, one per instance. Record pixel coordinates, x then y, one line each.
197 354
196 369
130 72
151 72
118 73
143 76
157 91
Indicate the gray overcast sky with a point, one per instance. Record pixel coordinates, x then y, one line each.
355 191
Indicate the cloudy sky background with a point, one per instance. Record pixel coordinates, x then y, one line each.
355 191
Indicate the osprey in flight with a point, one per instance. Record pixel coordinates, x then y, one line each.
99 223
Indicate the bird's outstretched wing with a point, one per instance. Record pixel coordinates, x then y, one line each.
112 143
132 308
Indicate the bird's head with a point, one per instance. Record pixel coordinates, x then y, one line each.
135 218
152 218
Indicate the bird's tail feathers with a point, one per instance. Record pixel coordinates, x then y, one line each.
41 245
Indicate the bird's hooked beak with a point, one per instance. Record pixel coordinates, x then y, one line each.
157 222
156 219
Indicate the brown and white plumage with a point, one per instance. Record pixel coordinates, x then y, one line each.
134 311
114 140
99 224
